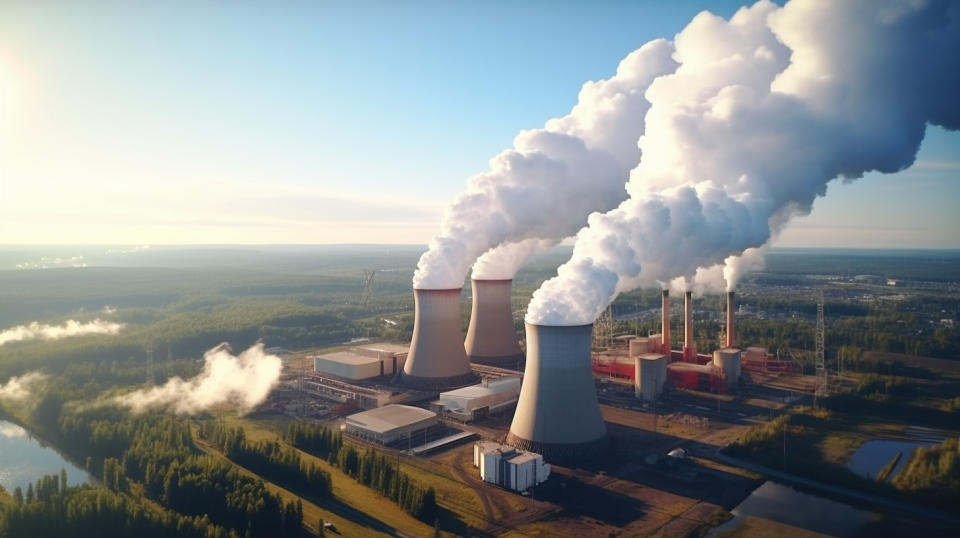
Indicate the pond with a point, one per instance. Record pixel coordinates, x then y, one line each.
784 504
873 456
24 459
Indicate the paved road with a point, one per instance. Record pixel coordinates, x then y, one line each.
836 490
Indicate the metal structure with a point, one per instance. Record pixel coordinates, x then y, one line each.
603 330
368 275
437 359
492 336
689 347
823 389
558 414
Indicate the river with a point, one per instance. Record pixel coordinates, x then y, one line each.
24 459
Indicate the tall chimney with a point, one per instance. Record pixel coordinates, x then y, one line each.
437 360
731 330
665 323
689 350
557 414
491 337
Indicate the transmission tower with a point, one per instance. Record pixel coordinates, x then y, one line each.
150 376
603 330
822 388
368 275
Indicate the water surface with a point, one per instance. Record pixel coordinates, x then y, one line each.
24 459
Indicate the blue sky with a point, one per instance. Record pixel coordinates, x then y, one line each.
315 122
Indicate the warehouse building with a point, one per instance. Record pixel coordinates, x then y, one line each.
508 467
476 401
391 424
364 362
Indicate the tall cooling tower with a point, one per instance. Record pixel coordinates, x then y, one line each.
731 330
491 337
558 414
437 360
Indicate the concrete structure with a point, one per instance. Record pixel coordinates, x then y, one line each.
702 377
332 388
689 348
508 467
391 424
362 362
475 401
728 360
558 414
644 344
649 375
437 360
665 322
492 336
731 329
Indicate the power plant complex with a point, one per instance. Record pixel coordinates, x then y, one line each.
555 405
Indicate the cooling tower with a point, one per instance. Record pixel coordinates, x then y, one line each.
437 360
491 337
665 332
689 349
731 330
558 414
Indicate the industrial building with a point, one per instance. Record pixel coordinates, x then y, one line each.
492 336
476 401
362 362
557 413
508 467
437 359
390 424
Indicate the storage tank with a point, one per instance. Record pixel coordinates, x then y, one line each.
437 360
728 360
558 414
491 336
649 375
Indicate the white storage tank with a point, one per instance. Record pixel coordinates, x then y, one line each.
728 360
650 373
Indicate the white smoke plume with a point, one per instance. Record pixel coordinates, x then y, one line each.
763 111
36 330
502 262
554 177
19 388
244 381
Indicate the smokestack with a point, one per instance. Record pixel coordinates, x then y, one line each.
731 331
558 414
689 351
665 331
491 337
437 360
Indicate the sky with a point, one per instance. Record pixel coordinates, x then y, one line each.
335 122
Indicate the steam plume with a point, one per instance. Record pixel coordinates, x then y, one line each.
544 188
19 388
763 111
244 381
36 330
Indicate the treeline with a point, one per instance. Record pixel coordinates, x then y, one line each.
55 509
270 459
154 454
369 468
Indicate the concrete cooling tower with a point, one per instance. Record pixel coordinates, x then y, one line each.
558 414
491 337
437 360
